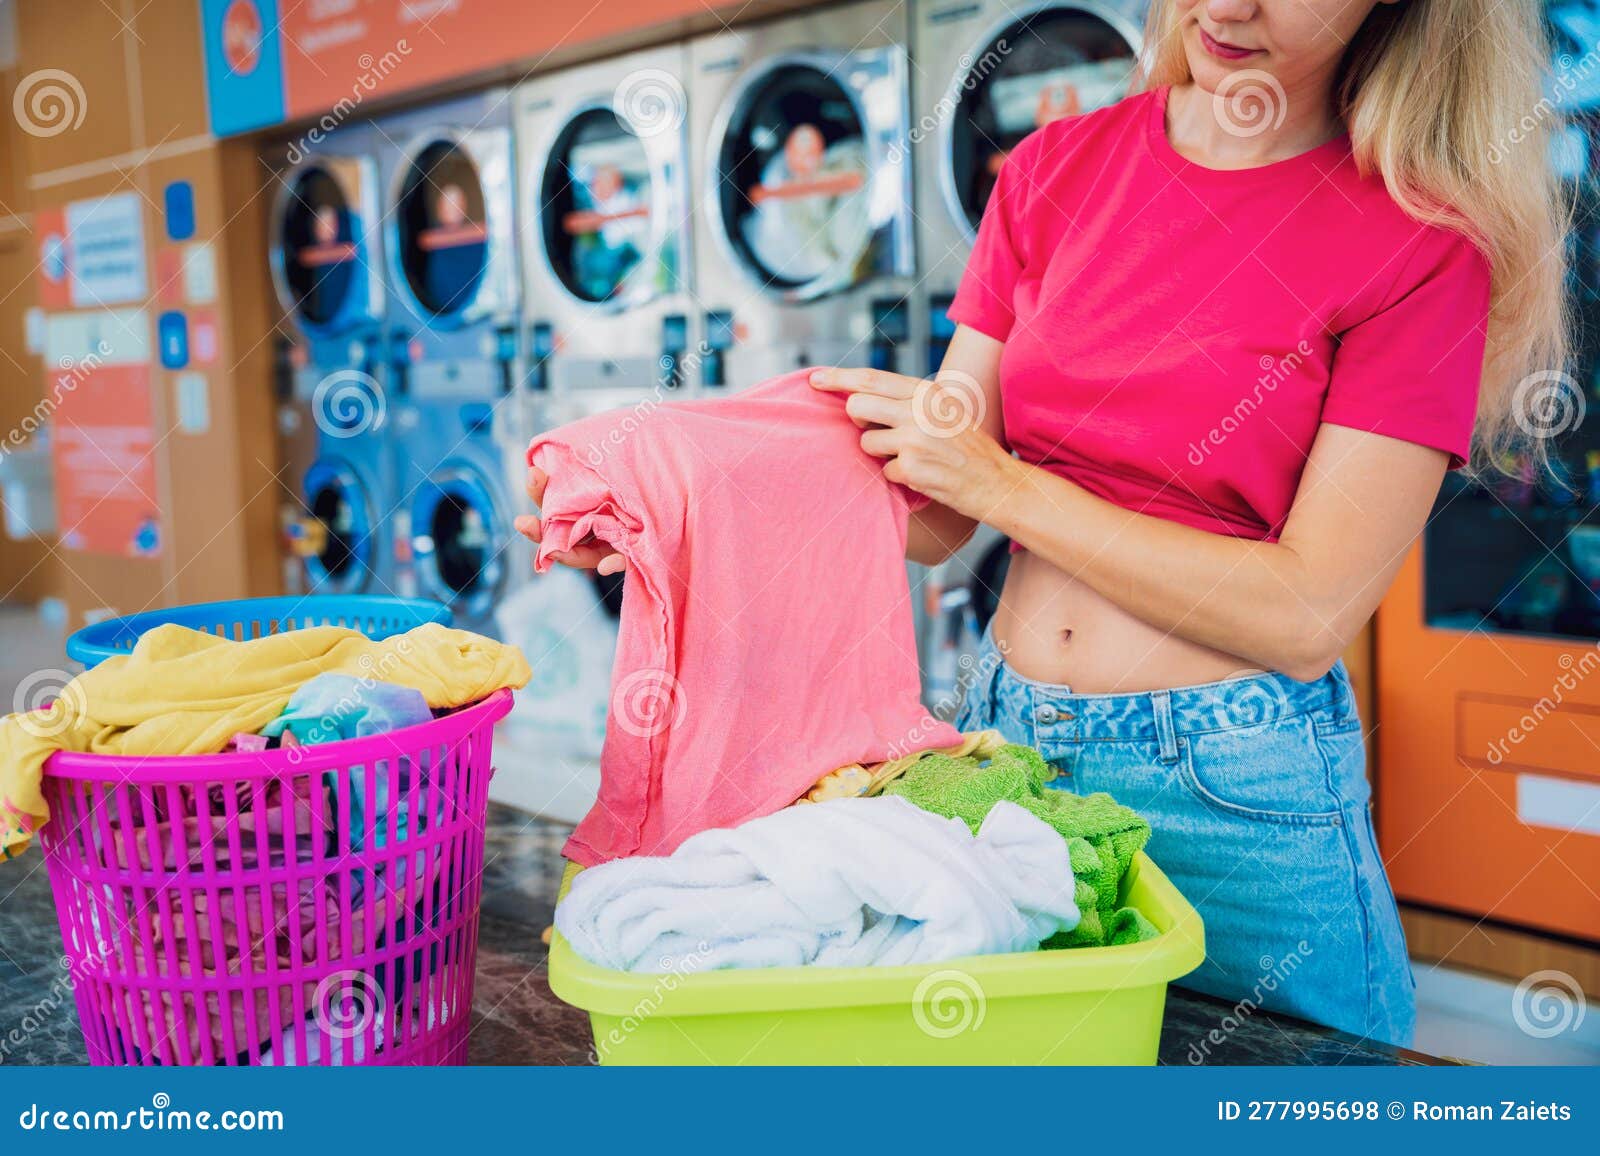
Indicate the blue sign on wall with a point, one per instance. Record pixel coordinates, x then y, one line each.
172 336
244 64
178 204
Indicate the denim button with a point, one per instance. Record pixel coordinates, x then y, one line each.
1045 714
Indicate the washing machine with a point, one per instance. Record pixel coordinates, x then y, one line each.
604 212
342 479
988 72
448 175
802 190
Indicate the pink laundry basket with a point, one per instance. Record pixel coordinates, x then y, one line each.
314 905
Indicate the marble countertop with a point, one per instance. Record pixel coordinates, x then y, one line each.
516 1019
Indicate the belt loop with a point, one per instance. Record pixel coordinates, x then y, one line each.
1165 733
1344 694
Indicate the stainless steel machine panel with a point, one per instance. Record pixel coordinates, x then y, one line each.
604 224
802 193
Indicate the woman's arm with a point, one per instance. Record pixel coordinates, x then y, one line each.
973 360
1291 605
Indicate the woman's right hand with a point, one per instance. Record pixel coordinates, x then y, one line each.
589 554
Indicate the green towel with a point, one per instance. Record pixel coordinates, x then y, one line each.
1102 835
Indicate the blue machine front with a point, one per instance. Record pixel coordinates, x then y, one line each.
448 200
340 500
459 517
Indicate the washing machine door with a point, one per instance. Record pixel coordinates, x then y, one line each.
321 260
342 558
1037 65
456 526
809 178
450 233
606 205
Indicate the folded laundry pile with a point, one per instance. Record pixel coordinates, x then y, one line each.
1102 835
186 692
843 883
766 634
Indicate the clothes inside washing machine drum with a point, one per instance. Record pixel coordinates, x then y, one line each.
766 634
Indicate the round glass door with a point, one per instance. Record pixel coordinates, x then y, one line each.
441 221
456 527
340 559
793 177
318 253
597 211
1055 62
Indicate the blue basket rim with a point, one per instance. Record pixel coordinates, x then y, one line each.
91 644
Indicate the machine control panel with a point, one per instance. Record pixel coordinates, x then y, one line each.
674 344
541 345
941 330
891 328
718 340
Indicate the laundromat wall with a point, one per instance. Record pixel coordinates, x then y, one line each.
137 101
138 128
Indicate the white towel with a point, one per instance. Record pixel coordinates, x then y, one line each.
845 883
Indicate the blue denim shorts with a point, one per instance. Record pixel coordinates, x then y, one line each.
1257 796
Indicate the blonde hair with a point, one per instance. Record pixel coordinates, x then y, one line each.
1445 99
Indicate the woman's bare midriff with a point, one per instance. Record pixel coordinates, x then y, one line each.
1052 628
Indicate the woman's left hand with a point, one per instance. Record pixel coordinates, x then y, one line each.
932 433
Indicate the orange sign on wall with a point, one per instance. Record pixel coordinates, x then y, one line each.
103 450
339 55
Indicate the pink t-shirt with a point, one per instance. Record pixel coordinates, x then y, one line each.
766 634
1174 335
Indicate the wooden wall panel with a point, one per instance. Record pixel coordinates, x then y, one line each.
137 65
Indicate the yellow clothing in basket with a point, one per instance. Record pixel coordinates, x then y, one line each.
185 692
855 780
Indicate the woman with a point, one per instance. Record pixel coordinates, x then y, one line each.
1217 346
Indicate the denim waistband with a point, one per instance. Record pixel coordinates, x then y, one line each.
1247 701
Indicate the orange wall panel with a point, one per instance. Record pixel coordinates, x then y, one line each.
1468 719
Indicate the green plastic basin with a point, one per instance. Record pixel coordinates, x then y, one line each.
1090 1005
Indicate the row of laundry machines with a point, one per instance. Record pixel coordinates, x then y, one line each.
674 222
